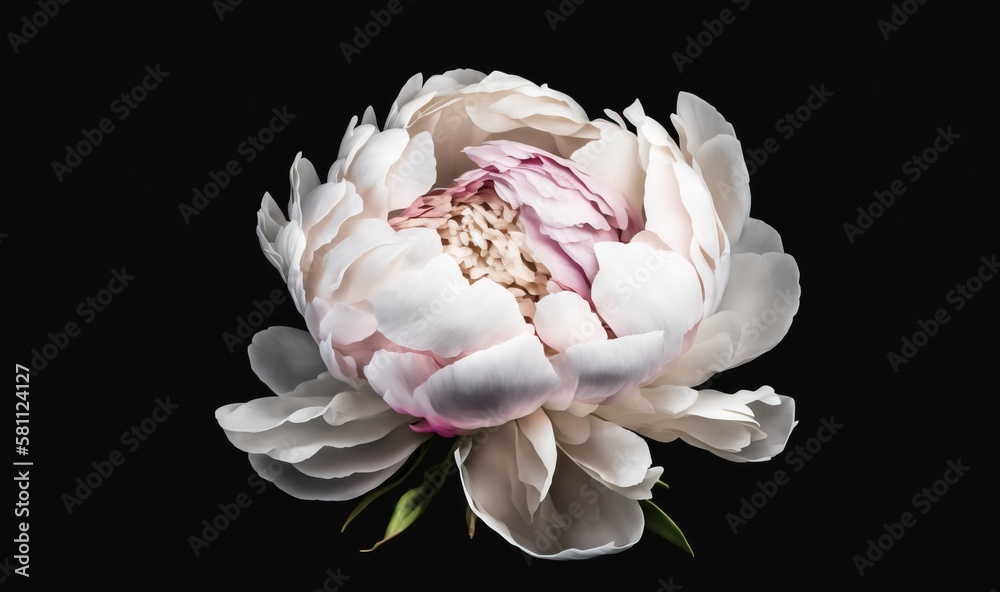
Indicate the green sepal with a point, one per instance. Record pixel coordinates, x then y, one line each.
470 519
409 507
413 503
662 484
403 473
659 523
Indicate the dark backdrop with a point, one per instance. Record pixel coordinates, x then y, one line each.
213 74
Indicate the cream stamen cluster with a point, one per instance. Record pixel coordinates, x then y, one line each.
484 234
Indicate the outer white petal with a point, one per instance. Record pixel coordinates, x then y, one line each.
745 426
283 358
713 351
389 450
320 442
535 450
580 517
758 237
697 122
270 221
764 290
617 457
303 180
294 435
297 484
720 161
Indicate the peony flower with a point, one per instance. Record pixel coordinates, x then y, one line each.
492 266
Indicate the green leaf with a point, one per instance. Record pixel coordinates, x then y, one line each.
659 523
662 484
409 507
403 473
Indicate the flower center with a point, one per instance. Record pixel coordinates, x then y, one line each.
485 236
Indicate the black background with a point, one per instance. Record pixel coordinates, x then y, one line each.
162 336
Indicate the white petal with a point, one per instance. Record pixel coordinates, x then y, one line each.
303 180
580 517
600 371
639 289
698 122
490 387
776 421
395 377
666 215
570 428
720 161
712 351
435 309
535 448
373 161
283 358
759 238
270 221
764 290
299 437
340 323
335 204
745 426
295 483
612 454
413 175
698 202
329 273
330 462
564 319
614 157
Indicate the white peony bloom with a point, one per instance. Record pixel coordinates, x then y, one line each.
494 266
